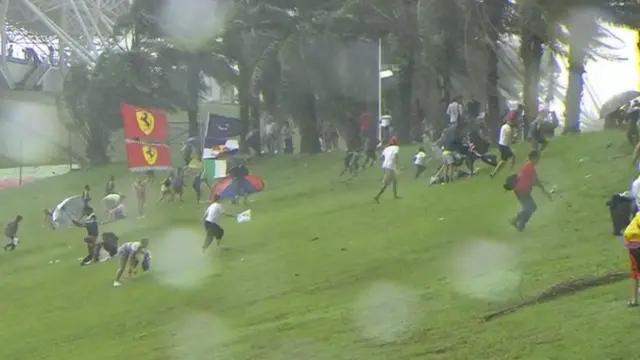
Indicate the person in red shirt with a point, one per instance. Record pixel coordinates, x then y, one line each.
527 180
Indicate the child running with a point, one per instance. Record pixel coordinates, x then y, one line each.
420 161
632 243
130 253
11 232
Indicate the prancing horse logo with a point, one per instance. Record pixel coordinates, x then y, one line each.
150 154
146 121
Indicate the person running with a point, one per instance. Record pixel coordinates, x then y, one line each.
238 173
129 254
11 232
369 152
165 189
197 185
90 223
86 195
110 188
536 134
390 168
420 161
351 163
140 189
527 179
177 185
212 228
504 145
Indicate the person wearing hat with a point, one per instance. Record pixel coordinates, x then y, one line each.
390 168
212 228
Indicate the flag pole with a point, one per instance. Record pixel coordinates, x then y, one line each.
21 160
379 88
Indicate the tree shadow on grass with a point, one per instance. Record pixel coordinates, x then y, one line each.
562 289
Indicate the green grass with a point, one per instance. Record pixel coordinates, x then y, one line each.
377 283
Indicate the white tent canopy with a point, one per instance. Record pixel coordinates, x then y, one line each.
69 209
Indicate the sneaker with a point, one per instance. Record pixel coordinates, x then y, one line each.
116 284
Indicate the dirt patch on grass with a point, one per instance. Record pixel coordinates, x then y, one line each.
562 289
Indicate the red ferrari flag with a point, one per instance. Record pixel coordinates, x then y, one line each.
140 123
143 157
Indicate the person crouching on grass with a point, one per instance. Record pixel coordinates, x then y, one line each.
130 254
526 180
91 225
211 216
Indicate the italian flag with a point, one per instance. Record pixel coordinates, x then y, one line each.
214 169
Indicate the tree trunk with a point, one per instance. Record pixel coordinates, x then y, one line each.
244 99
409 42
402 123
193 92
97 144
573 97
531 51
307 121
495 10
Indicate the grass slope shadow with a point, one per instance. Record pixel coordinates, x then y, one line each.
562 289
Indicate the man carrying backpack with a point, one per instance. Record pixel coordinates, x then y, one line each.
522 187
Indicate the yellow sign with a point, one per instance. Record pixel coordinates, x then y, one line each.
150 154
146 121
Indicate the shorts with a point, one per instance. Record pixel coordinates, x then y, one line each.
12 241
505 152
447 157
178 190
389 176
538 138
90 240
213 230
634 259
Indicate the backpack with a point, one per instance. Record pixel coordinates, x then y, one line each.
621 210
510 182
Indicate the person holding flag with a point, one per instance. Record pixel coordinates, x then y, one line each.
212 228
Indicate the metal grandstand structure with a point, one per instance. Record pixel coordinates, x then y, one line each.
76 28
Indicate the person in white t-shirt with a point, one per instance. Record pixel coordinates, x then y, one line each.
385 127
455 110
504 145
390 168
211 226
420 161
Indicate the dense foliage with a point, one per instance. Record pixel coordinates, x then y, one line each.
311 61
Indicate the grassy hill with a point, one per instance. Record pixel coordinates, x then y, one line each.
323 273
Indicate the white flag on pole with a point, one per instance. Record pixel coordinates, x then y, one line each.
244 216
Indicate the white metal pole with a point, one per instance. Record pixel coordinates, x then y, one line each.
379 88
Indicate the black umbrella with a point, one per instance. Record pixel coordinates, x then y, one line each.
616 102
